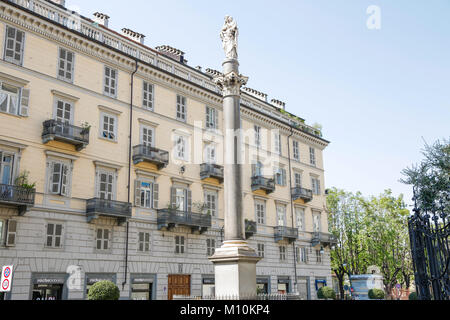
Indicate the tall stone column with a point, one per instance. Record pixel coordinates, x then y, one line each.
235 262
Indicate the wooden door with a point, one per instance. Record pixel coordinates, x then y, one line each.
179 285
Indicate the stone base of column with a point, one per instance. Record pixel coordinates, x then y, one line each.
235 270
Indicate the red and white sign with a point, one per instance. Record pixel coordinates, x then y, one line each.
6 279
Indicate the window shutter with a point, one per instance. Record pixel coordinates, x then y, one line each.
208 117
64 180
173 197
50 176
25 103
155 196
189 200
253 170
137 193
11 234
216 115
283 174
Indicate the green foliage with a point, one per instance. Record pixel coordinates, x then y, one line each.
23 181
376 294
370 231
104 290
431 178
326 293
413 296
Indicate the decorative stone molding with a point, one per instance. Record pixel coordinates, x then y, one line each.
231 83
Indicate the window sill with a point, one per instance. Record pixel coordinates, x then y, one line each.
12 115
108 140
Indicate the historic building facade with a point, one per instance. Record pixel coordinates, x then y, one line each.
110 167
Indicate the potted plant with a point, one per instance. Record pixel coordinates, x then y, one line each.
326 293
23 182
104 290
85 128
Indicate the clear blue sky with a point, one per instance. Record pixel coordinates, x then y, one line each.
377 93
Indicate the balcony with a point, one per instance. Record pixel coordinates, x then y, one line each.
16 196
251 228
211 171
286 233
151 155
108 208
59 131
325 239
171 218
262 183
302 194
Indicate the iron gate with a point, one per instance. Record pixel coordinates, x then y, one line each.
429 231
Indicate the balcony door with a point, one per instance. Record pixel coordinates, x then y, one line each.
64 117
147 136
281 216
6 168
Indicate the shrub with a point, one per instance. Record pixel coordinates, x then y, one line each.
376 294
413 296
326 293
104 290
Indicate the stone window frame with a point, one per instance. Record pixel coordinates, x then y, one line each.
303 229
108 89
22 53
148 96
6 232
144 242
54 235
65 62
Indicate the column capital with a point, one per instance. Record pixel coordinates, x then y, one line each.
231 83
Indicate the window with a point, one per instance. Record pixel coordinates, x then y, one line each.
59 179
260 208
6 168
108 127
106 185
54 235
257 136
11 233
103 238
312 155
147 136
257 169
281 215
316 222
315 184
210 153
181 148
210 247
110 88
14 100
147 96
280 176
277 143
300 214
144 242
298 180
318 256
181 108
212 118
211 203
2 232
282 253
147 194
296 150
261 250
14 44
179 244
181 199
301 254
65 66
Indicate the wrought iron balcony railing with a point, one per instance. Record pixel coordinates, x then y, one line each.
170 218
108 208
286 233
142 153
303 194
64 132
325 239
17 196
251 228
263 183
209 170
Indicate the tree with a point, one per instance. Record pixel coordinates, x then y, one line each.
104 290
431 178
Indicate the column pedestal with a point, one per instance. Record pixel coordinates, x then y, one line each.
235 270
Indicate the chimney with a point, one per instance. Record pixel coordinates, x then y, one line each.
255 93
278 104
101 19
213 73
59 2
173 53
135 36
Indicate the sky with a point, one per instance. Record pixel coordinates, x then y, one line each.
379 94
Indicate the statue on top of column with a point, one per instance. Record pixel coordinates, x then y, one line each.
229 36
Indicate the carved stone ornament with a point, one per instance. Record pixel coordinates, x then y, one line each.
229 35
231 83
